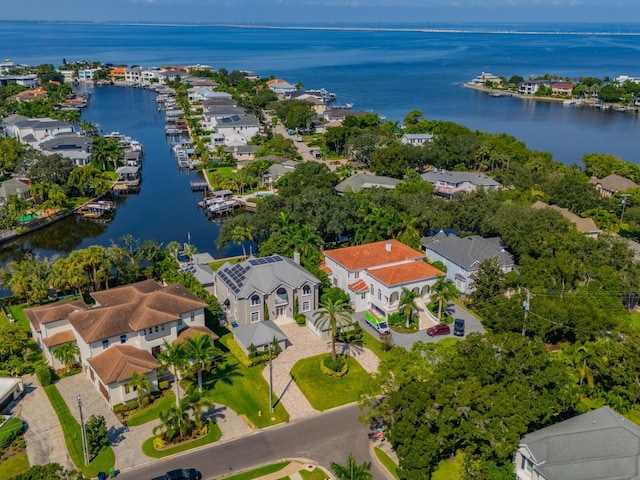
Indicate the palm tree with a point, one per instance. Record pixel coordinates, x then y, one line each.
334 313
241 234
190 250
67 354
407 299
199 402
141 385
173 358
306 241
200 352
173 248
445 290
352 471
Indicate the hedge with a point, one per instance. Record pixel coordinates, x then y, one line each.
332 373
125 407
237 352
44 375
10 430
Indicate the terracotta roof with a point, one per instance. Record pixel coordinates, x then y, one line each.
359 286
191 332
115 364
53 312
405 273
324 268
373 254
132 308
60 338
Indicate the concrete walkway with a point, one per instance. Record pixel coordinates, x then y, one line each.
43 435
305 344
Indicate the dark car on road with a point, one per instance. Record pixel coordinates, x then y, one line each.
181 474
440 329
458 327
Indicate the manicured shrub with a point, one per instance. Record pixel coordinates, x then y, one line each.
237 352
125 407
10 430
300 319
163 385
43 373
334 368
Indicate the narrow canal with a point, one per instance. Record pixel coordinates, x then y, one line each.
165 209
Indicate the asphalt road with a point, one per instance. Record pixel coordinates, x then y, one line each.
325 438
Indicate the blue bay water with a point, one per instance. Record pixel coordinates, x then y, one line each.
389 72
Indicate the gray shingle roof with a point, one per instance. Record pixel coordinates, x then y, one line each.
258 333
263 275
468 252
477 179
360 180
238 121
596 445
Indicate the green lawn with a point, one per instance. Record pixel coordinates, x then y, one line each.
14 466
387 461
448 469
18 315
213 436
151 412
315 474
218 263
73 437
324 392
635 320
373 344
243 390
259 472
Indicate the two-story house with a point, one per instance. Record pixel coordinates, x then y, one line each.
122 333
447 184
374 274
462 256
34 130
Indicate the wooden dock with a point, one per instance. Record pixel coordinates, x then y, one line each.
198 186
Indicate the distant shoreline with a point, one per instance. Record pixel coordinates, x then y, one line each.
506 93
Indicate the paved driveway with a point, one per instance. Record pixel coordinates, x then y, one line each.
43 435
304 344
406 340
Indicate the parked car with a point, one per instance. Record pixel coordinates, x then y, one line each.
181 474
458 327
440 329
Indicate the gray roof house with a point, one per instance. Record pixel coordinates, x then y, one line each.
268 288
416 139
278 170
69 145
34 130
462 256
447 184
360 180
596 445
260 335
13 186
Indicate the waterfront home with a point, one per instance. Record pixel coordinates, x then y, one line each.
10 391
277 170
281 87
170 75
416 139
31 94
34 130
121 334
360 180
374 274
127 177
529 87
28 81
562 88
583 225
117 73
339 114
69 145
237 129
447 184
201 82
611 184
211 102
268 288
462 256
200 94
243 153
318 105
13 186
595 445
212 113
485 77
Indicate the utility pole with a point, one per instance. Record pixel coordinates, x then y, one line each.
84 432
526 304
624 204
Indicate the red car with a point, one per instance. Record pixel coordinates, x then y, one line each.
440 329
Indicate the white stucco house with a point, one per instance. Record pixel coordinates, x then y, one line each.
34 130
374 274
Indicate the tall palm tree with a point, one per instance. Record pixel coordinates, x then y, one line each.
199 402
445 290
190 250
352 471
200 352
306 241
241 234
174 359
173 248
67 354
407 299
334 313
141 384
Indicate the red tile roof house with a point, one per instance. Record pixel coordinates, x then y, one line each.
374 274
122 333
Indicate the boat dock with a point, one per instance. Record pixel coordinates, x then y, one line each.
198 186
97 209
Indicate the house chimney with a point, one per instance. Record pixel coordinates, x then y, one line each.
296 257
388 246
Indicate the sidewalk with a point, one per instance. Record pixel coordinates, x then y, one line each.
293 471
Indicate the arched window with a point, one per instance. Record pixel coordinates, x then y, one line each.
306 290
255 300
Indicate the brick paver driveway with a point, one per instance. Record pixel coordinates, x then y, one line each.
305 344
